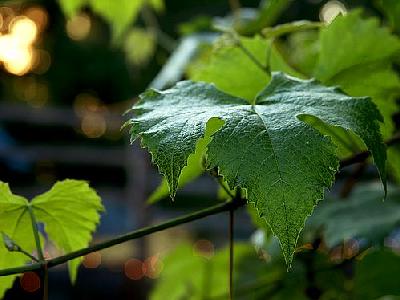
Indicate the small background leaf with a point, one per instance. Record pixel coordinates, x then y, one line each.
16 223
70 212
362 215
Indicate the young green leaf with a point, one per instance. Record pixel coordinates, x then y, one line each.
350 41
228 64
119 14
391 9
376 275
70 212
265 148
15 222
357 55
210 278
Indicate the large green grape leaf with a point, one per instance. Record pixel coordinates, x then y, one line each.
360 216
264 147
70 212
16 223
224 68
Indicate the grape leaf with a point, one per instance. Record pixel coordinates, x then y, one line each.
362 215
350 41
357 55
267 14
391 9
376 275
15 222
120 14
177 283
227 64
227 55
301 50
264 147
70 212
194 167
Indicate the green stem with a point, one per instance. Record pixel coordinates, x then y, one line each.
227 206
36 234
42 262
28 255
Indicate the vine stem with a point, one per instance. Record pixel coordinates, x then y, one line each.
216 209
42 261
362 156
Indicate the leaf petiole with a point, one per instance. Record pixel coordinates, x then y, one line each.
14 247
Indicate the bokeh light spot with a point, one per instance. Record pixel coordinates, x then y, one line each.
30 282
23 29
92 260
152 267
78 27
133 269
204 248
93 125
38 15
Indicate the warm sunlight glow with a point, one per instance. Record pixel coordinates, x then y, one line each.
24 30
38 15
16 47
17 58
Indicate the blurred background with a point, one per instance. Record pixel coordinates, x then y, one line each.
69 70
